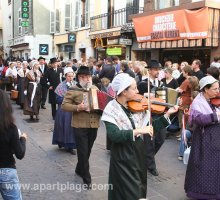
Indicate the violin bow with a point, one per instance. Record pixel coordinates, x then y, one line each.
149 103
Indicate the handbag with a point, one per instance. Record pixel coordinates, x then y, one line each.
186 155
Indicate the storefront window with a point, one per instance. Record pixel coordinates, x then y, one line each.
161 4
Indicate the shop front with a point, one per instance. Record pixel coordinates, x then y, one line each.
111 44
65 45
180 35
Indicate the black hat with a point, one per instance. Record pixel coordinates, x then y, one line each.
83 70
53 60
41 58
154 64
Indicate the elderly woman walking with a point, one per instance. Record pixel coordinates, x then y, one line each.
32 91
202 175
63 134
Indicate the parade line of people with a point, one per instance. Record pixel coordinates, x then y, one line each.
133 138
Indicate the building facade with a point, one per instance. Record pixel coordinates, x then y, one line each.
111 29
30 34
166 38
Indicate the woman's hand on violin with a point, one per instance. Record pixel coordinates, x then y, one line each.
146 130
172 110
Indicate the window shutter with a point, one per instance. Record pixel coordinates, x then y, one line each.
77 15
57 20
52 22
67 16
87 13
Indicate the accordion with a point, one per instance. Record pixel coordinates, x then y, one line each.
168 94
96 99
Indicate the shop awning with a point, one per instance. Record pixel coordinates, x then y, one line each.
174 25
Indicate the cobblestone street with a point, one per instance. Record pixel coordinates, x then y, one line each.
47 172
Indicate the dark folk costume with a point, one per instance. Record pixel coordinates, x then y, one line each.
63 135
32 100
202 176
20 85
128 170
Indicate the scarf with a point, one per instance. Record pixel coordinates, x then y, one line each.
114 114
200 105
21 72
31 76
63 87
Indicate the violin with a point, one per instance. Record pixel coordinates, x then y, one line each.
140 103
216 101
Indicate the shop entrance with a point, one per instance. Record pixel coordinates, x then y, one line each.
179 55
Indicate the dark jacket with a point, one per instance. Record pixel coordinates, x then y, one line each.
43 79
108 71
54 78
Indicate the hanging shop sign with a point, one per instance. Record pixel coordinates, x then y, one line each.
179 24
25 9
71 37
114 51
125 41
43 49
24 13
112 41
98 43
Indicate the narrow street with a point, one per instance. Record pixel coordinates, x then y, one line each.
47 172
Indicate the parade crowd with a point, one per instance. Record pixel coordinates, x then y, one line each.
133 137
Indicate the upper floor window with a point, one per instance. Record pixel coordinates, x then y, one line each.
161 4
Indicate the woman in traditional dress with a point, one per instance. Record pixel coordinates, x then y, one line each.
32 91
202 176
128 170
22 73
63 135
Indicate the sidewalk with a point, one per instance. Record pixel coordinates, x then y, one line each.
48 172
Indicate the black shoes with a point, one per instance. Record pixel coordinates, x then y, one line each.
43 107
87 186
154 172
72 151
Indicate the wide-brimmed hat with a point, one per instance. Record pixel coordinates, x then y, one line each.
41 58
83 70
206 81
53 60
154 64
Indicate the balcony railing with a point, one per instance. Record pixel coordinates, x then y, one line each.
113 19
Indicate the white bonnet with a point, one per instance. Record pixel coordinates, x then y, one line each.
121 82
206 81
68 70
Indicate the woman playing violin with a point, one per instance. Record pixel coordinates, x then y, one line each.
128 170
202 175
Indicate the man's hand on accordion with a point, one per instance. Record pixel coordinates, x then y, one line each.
82 107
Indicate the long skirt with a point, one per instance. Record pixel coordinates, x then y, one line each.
32 109
63 132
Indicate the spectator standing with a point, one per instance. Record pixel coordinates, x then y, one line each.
108 70
126 69
196 65
10 143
